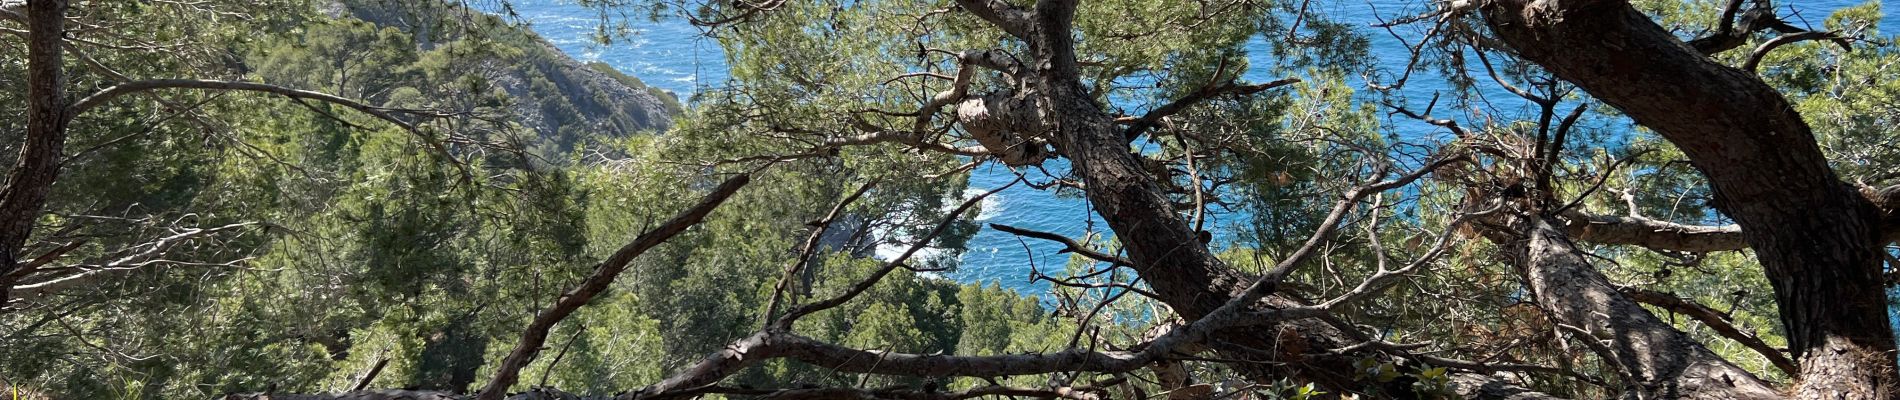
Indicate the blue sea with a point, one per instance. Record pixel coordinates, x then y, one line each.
673 55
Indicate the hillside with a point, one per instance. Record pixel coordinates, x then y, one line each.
378 199
563 100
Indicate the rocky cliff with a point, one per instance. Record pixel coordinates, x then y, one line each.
565 100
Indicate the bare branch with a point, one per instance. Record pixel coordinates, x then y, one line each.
1153 118
1759 17
785 323
810 247
33 291
772 344
1755 57
1070 245
912 139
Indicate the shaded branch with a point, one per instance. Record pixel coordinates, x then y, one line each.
785 323
1000 13
101 97
810 247
1719 321
1755 57
1150 120
1651 233
1659 357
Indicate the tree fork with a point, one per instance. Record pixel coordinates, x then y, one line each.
1816 237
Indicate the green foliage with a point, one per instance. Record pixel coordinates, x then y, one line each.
381 249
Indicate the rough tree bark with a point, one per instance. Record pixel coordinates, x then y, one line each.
1162 247
46 118
1165 251
1817 239
1660 361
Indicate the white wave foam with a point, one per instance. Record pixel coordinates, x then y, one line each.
991 207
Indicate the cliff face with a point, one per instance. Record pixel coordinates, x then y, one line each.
603 100
562 99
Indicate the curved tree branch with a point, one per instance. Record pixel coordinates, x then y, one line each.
1152 118
1817 239
507 372
1665 362
1755 57
1070 245
104 95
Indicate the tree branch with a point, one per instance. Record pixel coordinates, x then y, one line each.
1718 321
785 323
536 333
912 139
1651 233
1070 245
100 97
806 251
36 290
1000 13
1659 357
1755 57
1153 118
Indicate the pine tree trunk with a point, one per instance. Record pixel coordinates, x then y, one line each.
1816 237
46 117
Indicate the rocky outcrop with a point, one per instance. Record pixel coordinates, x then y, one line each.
562 99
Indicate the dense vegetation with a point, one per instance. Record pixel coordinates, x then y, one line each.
220 197
313 244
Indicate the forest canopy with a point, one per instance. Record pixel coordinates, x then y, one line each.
379 199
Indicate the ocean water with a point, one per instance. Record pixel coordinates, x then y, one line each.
672 55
